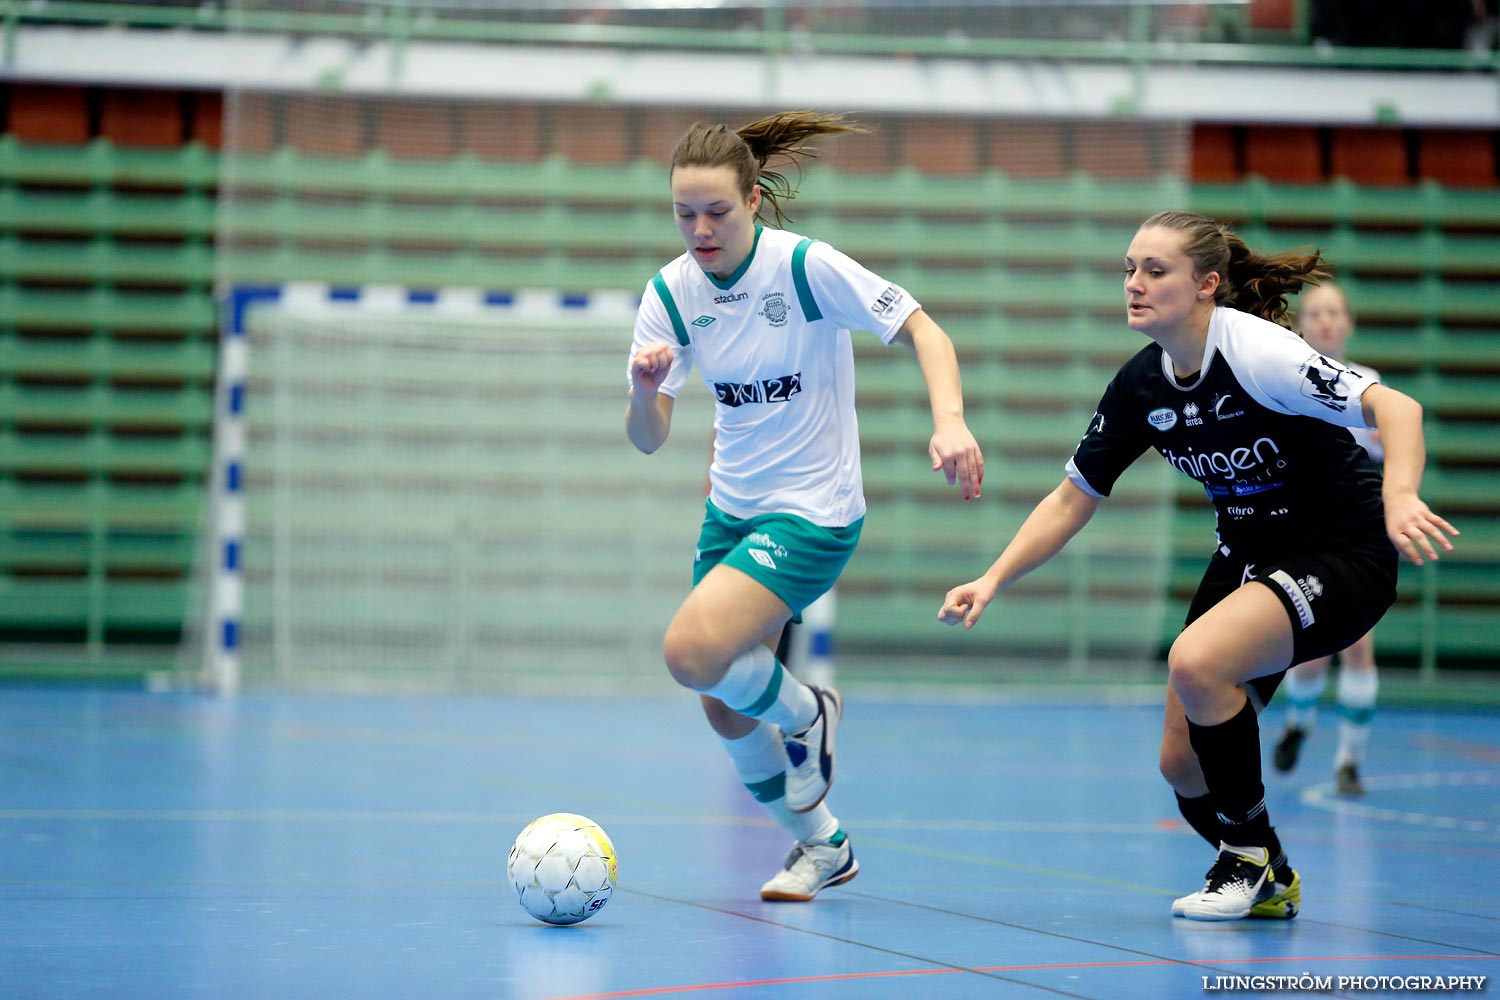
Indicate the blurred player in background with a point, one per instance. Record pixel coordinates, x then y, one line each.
1326 323
765 314
1307 539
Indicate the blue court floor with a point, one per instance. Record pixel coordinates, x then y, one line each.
309 848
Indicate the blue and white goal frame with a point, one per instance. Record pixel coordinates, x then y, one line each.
223 634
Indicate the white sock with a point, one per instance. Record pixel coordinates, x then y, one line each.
1357 691
758 686
1302 697
760 761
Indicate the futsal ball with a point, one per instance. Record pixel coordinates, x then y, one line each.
563 868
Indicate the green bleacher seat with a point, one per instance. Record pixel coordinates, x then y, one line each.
101 357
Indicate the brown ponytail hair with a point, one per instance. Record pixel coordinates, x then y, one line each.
1247 281
748 148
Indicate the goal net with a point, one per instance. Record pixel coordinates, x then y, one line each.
444 499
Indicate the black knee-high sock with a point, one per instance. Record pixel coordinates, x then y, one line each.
1229 755
1200 815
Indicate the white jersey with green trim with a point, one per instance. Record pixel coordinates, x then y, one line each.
772 344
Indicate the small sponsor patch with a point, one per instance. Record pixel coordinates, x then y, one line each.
889 299
1163 419
1300 600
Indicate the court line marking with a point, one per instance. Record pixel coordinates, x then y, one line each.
1439 909
942 966
852 976
1322 796
974 859
1374 932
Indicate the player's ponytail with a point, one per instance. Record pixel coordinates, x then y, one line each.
748 149
1248 281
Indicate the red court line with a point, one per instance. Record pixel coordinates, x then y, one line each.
656 991
1469 750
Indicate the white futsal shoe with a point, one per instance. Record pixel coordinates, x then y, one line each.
1239 879
809 754
809 868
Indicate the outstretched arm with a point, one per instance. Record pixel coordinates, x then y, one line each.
648 416
952 448
1060 516
1408 521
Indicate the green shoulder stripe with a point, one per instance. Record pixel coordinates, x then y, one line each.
799 279
660 284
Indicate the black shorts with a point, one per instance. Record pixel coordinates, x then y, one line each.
1333 594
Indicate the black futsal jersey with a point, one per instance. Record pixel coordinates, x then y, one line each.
1262 425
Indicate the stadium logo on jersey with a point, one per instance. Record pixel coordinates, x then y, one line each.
773 308
767 390
1191 412
1163 419
705 321
1219 407
888 300
720 300
1324 381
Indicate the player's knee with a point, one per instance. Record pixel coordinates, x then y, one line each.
1191 672
688 660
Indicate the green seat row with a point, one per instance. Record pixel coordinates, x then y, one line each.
103 260
101 404
191 311
193 166
103 211
167 552
100 163
92 608
1257 200
102 357
101 451
100 503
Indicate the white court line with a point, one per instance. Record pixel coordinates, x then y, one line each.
1323 797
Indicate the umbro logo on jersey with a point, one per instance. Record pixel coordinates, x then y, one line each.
763 557
705 320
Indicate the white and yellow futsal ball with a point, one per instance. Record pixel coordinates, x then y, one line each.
563 868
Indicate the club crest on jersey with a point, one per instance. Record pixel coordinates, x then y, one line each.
1222 407
773 308
1323 380
1163 419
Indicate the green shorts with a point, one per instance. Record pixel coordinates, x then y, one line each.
789 555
